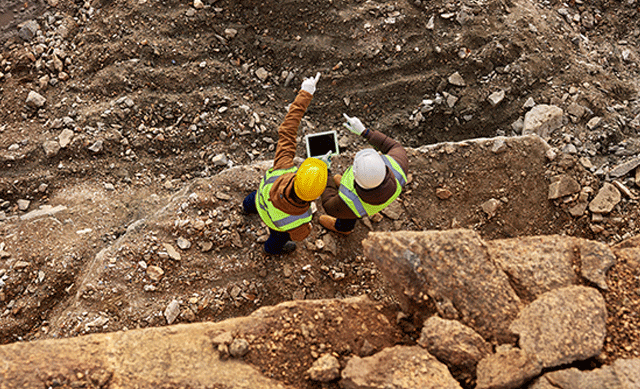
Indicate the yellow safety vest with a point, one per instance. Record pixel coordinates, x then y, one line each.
272 216
347 191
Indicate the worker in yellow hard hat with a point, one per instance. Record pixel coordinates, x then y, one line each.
285 192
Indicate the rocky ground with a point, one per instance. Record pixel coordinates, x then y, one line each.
135 128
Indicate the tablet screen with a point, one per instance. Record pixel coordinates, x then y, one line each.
319 144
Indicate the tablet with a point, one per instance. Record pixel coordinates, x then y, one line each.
321 143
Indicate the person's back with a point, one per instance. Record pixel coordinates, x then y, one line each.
369 185
284 195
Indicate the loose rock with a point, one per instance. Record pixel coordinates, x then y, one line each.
35 100
542 120
172 311
563 326
325 369
607 198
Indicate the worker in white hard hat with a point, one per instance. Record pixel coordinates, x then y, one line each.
370 185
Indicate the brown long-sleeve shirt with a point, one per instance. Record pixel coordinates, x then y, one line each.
282 194
336 207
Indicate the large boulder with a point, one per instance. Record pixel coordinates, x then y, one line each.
453 343
451 267
399 367
563 326
202 355
536 264
622 374
508 368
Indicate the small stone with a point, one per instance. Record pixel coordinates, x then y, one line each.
562 186
431 23
150 288
198 4
542 120
183 243
28 30
65 137
172 311
239 348
594 123
576 111
51 148
624 168
96 147
109 186
586 163
496 98
155 273
530 103
623 189
43 82
518 125
35 100
230 33
220 160
443 193
188 315
570 149
499 146
223 196
490 207
457 80
23 205
451 99
262 74
376 218
206 246
607 198
171 251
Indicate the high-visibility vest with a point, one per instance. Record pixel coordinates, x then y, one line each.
272 216
348 193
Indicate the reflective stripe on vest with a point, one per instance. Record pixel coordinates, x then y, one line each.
272 216
348 193
396 170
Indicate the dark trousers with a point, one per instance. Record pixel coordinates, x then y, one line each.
277 239
345 225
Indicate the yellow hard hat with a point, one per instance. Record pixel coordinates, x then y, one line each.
311 179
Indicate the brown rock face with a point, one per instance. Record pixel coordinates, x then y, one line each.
451 266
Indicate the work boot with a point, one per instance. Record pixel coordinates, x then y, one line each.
329 222
337 179
288 247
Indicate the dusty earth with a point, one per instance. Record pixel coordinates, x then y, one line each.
172 104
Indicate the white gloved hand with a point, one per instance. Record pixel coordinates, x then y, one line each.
309 84
326 159
353 124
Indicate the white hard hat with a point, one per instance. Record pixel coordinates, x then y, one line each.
368 168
